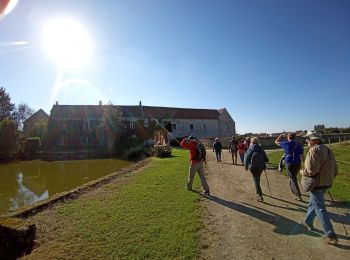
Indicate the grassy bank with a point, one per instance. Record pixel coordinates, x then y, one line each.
341 186
148 215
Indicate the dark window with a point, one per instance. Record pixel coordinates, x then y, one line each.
191 126
204 127
174 126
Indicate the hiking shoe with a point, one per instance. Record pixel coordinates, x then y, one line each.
298 198
207 193
260 198
306 225
331 239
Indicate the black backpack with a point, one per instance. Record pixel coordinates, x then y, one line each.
201 153
258 160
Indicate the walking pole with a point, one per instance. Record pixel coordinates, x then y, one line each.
268 184
329 193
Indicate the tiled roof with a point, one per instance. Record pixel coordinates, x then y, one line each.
82 111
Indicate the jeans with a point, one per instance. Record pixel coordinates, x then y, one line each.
218 156
292 171
256 177
318 207
242 158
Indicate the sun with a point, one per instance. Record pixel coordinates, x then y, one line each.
67 42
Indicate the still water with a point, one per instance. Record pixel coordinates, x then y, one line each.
27 182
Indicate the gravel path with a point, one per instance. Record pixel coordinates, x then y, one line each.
239 227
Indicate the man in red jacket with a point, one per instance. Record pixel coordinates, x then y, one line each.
196 164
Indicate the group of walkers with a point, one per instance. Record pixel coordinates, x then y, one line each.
319 167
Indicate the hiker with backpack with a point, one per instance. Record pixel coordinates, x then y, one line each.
292 161
255 160
217 148
197 157
233 149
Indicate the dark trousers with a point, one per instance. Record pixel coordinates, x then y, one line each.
292 171
218 156
256 174
234 156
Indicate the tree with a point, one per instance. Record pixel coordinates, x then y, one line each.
21 113
113 119
8 137
6 107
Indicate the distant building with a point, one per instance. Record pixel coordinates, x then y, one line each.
75 125
29 123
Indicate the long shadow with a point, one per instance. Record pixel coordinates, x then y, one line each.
286 201
283 207
283 225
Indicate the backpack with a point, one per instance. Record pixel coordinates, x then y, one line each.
201 153
258 160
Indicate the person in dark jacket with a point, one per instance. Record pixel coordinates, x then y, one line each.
255 160
217 148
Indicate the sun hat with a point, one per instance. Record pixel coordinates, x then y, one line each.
310 135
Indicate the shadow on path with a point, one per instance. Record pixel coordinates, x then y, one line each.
283 225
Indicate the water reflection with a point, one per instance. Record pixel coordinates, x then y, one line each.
25 183
25 196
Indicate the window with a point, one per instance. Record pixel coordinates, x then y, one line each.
132 124
173 126
191 126
84 126
146 122
204 127
64 126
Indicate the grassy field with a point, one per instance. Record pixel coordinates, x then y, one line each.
341 185
150 216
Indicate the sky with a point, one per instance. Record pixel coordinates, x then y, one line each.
274 65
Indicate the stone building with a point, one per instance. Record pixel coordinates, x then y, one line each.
29 123
75 125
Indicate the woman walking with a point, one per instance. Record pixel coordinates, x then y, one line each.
255 160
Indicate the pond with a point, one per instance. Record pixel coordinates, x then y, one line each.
27 182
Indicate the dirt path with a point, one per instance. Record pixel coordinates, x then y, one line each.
239 227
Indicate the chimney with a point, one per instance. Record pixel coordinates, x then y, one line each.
56 103
141 109
100 103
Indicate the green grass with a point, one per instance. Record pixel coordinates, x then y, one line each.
151 216
341 185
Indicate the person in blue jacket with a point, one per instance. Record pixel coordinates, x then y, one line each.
294 153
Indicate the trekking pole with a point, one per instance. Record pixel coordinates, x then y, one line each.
329 193
268 184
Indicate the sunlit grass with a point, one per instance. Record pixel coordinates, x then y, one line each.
150 216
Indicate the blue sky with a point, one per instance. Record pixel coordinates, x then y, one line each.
275 65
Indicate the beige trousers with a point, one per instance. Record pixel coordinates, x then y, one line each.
197 167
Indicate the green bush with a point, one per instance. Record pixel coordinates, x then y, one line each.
162 151
32 145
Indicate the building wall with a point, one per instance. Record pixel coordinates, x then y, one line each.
226 125
28 125
201 127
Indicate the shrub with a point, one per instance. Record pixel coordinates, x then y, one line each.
32 145
162 151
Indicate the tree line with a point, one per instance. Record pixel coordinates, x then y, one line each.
331 130
11 123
